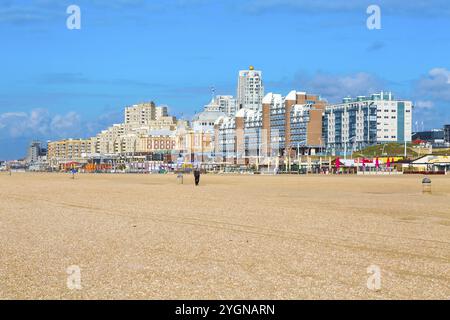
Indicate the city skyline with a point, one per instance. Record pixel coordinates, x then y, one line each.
59 83
216 105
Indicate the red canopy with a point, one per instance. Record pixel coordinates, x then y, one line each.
72 163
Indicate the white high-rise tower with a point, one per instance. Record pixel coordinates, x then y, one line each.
250 90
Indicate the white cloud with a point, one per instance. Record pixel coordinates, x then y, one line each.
436 84
440 73
38 123
432 93
424 104
61 123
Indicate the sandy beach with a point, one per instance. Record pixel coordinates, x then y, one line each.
233 237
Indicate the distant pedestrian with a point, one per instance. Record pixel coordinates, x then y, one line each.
180 178
197 176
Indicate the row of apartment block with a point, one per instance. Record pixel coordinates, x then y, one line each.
147 129
274 125
252 126
282 126
69 150
299 123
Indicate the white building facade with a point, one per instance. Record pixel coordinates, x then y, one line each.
250 91
358 123
227 104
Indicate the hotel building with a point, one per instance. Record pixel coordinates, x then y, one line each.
198 139
157 141
364 121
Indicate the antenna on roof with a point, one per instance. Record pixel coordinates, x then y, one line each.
213 92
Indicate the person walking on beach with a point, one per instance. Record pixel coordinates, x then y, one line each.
197 176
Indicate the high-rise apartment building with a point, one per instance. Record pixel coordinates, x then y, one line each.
250 91
148 114
357 123
282 127
140 114
34 151
294 123
394 118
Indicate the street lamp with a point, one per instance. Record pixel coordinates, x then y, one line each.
298 151
345 146
353 145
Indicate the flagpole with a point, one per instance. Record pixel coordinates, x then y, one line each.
405 149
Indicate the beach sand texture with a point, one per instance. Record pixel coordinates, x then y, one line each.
233 237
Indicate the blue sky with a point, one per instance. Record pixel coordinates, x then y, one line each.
58 83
